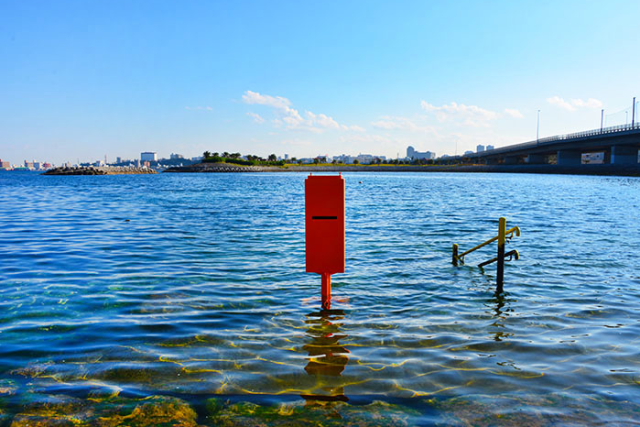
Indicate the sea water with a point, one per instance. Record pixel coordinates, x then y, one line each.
193 287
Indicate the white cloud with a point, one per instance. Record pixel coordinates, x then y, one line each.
513 113
400 123
589 103
250 97
575 103
386 124
322 120
296 143
470 115
366 138
556 100
291 118
256 117
199 108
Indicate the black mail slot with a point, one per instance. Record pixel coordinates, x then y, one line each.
324 217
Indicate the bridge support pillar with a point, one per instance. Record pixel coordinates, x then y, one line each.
569 158
624 155
511 160
536 159
491 160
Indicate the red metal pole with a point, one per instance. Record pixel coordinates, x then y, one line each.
326 291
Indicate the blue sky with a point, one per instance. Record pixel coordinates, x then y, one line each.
83 79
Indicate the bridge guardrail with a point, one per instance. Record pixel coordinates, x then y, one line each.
550 139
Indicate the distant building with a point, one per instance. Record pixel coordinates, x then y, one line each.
176 156
5 165
365 159
466 153
29 165
118 159
490 147
344 159
416 155
148 156
480 148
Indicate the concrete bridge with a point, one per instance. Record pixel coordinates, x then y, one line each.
620 145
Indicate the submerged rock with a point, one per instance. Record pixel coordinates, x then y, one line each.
155 411
310 413
7 387
45 410
536 411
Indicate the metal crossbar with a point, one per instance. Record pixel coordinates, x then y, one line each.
511 254
503 236
509 234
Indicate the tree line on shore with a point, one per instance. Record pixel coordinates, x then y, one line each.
236 158
272 160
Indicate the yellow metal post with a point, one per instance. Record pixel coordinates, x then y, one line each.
502 241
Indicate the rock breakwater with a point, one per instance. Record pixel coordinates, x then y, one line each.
91 170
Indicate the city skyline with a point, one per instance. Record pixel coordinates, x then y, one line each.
85 80
152 156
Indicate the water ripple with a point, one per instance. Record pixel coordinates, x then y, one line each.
195 284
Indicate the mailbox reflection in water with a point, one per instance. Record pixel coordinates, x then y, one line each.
325 227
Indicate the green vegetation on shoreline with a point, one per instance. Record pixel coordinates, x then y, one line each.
272 160
236 159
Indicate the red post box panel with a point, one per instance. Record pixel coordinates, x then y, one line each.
325 224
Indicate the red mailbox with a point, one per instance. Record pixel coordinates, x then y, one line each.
325 227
